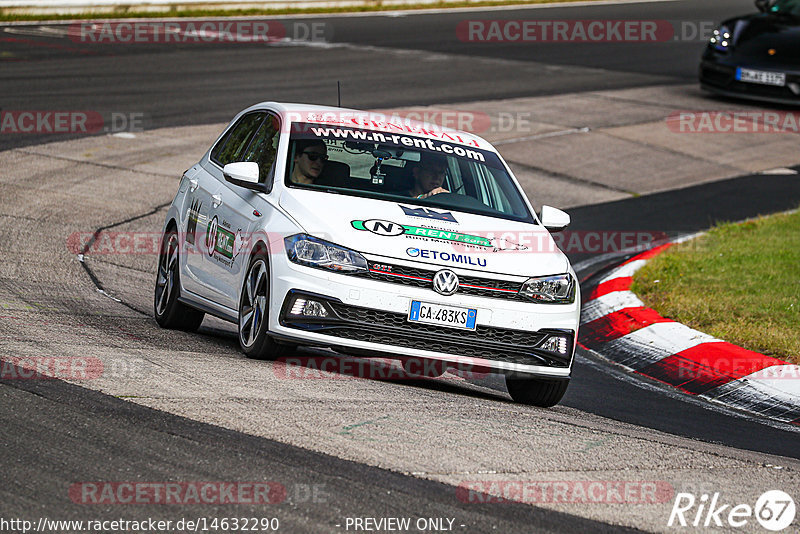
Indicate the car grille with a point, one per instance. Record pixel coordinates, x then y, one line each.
467 285
388 328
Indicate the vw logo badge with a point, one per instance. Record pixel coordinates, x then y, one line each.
445 282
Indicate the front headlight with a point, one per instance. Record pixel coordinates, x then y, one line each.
559 289
314 252
721 40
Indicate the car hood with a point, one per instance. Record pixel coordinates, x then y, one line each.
755 35
431 237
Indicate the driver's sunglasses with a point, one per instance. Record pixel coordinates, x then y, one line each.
314 156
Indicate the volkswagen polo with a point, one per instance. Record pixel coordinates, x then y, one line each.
373 236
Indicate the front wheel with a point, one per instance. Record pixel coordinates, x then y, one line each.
536 391
168 311
254 338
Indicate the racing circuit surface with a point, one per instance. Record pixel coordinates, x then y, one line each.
176 407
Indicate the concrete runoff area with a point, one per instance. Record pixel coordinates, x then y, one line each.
452 430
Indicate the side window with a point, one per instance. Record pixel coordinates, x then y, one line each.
264 147
232 147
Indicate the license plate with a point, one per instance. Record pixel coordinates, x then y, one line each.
452 316
761 77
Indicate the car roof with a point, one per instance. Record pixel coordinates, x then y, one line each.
386 120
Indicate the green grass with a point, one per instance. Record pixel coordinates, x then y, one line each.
15 14
739 282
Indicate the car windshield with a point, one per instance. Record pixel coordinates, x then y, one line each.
418 170
789 7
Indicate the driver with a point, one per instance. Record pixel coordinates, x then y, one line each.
309 160
429 176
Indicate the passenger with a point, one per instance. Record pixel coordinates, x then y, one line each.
309 160
429 176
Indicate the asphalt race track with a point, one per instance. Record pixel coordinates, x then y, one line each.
184 408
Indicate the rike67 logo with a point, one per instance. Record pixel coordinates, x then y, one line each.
774 510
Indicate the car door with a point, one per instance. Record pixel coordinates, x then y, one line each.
211 240
195 186
239 210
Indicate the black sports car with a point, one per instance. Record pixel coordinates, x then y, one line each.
756 56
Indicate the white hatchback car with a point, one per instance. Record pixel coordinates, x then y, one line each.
373 236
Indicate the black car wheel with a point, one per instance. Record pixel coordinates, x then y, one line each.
254 312
536 391
169 312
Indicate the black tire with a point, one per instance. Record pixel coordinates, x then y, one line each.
422 367
253 323
536 391
168 311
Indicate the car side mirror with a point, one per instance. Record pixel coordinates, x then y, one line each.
554 219
243 174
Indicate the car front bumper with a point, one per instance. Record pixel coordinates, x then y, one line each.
369 317
720 78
